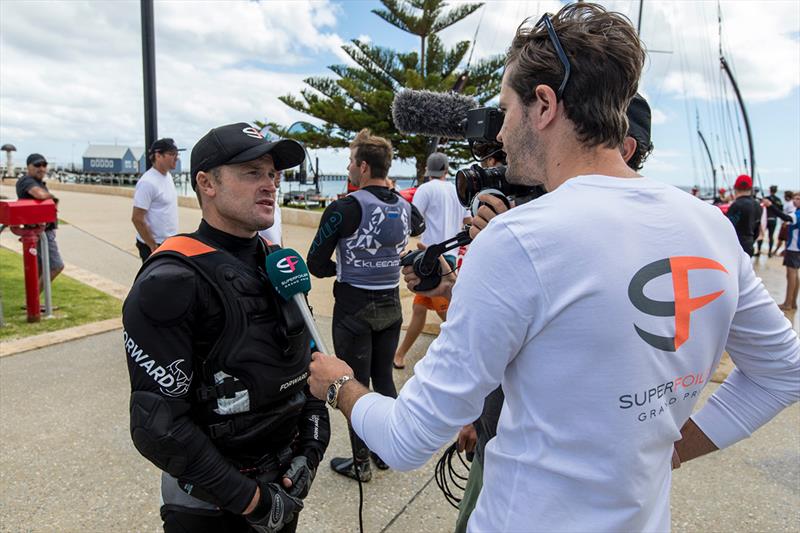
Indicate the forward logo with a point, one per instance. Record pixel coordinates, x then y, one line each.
683 305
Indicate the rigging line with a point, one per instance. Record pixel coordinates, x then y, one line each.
687 115
727 128
741 154
709 60
730 133
475 38
721 111
740 100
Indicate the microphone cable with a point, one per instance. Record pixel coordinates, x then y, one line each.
447 475
360 488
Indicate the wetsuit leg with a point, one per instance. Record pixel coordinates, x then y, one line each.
180 522
384 345
352 341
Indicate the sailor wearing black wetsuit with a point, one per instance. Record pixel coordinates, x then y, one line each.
745 213
368 230
774 212
218 361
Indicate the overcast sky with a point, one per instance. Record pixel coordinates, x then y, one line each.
71 73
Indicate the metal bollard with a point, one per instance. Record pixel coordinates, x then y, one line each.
44 248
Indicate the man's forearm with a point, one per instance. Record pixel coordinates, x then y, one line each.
349 394
144 233
693 443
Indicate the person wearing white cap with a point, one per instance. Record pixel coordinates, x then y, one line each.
437 201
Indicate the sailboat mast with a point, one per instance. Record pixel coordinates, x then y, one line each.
639 24
739 99
710 160
727 70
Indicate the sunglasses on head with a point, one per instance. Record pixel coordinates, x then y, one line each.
562 56
40 164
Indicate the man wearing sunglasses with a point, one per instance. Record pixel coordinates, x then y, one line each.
602 308
31 186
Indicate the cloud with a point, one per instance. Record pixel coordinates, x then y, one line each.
760 41
216 62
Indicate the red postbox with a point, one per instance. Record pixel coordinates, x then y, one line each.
28 218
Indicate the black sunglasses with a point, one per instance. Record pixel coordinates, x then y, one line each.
39 165
551 31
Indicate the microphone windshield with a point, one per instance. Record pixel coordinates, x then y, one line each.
288 273
431 114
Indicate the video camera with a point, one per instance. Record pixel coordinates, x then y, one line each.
456 116
481 128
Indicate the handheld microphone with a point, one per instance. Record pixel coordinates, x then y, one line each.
432 114
289 275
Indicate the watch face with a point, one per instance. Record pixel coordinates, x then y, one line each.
331 394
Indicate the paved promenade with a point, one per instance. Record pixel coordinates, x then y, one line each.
67 462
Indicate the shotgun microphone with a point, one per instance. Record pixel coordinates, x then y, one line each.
289 275
432 114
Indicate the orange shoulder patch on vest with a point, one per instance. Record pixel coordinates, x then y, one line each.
185 246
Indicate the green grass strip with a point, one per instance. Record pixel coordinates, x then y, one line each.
77 303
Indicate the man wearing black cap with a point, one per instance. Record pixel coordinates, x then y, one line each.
218 361
155 202
31 186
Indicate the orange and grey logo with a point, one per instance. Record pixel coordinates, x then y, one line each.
683 305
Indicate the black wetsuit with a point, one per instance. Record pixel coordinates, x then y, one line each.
745 215
774 212
173 320
366 323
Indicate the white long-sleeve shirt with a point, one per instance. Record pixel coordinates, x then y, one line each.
569 302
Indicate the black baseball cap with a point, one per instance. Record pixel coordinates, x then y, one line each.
165 145
240 143
639 119
36 158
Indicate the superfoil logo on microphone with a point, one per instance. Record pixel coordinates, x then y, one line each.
288 264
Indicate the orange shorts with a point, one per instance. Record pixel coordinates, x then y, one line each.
437 303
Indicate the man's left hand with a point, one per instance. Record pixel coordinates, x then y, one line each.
324 370
298 477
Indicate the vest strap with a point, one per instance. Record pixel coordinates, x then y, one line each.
184 245
227 388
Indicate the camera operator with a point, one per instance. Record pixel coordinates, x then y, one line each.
580 304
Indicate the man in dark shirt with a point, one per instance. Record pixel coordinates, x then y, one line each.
31 186
774 212
745 213
218 361
368 230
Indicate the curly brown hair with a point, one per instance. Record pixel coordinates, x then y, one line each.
606 58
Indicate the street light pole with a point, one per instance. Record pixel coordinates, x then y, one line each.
149 67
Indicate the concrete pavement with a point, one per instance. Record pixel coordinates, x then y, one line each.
68 463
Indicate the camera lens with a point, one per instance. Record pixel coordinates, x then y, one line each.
467 184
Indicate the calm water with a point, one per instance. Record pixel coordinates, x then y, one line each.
328 187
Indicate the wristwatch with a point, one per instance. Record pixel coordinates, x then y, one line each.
333 390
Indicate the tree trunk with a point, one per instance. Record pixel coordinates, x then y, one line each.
422 57
422 163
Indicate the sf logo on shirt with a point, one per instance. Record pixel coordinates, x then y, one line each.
683 305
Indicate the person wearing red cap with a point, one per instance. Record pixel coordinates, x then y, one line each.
745 213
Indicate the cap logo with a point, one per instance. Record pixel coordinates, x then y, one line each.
252 132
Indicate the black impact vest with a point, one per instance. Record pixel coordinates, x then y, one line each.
252 380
